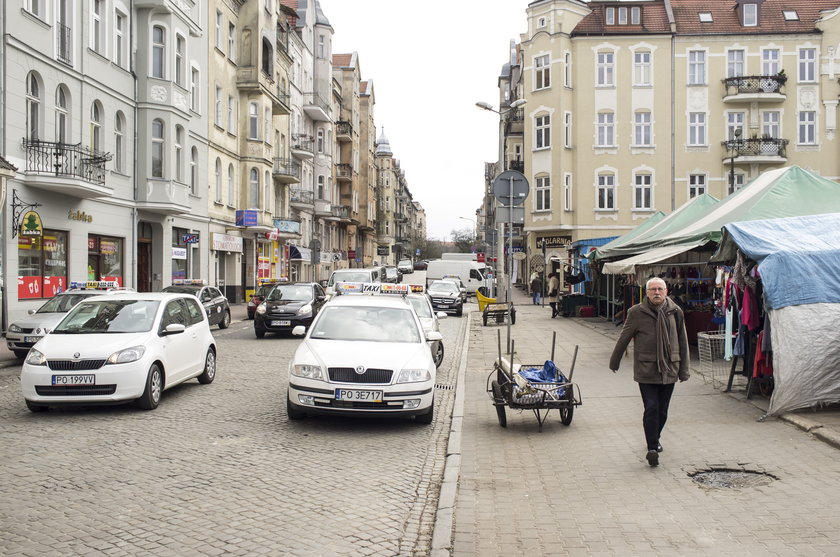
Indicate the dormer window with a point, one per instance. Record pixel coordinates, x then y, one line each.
705 17
790 15
750 15
609 16
635 15
619 15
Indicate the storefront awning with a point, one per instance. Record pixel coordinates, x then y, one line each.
299 253
628 265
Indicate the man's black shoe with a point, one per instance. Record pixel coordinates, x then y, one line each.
653 457
659 448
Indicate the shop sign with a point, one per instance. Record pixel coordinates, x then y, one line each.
80 216
351 254
179 253
30 224
564 242
382 250
189 238
226 242
246 217
480 257
107 247
287 226
274 235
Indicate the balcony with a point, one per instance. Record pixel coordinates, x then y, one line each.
303 148
64 44
286 171
71 169
758 88
322 208
344 172
163 197
316 107
302 199
517 165
757 150
515 120
280 103
343 131
341 213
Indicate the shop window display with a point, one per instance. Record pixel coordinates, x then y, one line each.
42 265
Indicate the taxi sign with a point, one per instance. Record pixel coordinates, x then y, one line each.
371 288
417 288
190 282
94 284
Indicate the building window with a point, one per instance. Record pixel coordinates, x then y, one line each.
218 106
750 12
807 65
622 16
267 124
253 121
96 127
567 192
62 118
734 63
232 42
96 25
119 39
219 29
567 130
194 171
180 73
35 7
231 189
642 192
808 127
542 72
542 201
609 16
105 258
254 190
322 46
567 69
790 15
267 191
606 129
42 265
157 148
635 15
642 129
320 140
179 154
606 192
697 129
641 68
770 61
231 114
696 67
194 90
705 17
696 185
33 107
734 121
321 192
541 23
771 124
158 52
542 129
119 142
605 69
218 180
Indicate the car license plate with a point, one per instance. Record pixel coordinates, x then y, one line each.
443 306
33 340
364 396
74 379
280 323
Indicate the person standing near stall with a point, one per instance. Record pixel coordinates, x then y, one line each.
553 293
660 357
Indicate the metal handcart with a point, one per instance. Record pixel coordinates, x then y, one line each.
498 312
509 385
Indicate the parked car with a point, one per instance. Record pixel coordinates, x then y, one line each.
457 280
288 305
405 266
431 322
119 348
364 354
392 274
446 296
24 333
421 265
215 304
258 297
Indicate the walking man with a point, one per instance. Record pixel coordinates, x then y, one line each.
660 357
536 288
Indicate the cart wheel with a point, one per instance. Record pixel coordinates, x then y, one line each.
484 318
566 415
499 402
513 317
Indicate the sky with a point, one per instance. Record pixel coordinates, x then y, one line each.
430 62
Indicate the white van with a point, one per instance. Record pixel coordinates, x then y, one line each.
472 273
374 274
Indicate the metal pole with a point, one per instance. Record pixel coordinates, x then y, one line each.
544 283
510 260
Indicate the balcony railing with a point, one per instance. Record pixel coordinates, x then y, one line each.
302 196
516 115
304 145
64 43
343 128
315 99
519 166
61 159
341 211
286 167
757 147
751 84
343 170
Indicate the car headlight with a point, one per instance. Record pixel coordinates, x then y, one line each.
413 375
128 355
261 309
14 329
305 310
36 358
307 371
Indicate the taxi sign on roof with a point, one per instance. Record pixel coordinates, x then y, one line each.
371 288
94 284
190 282
415 288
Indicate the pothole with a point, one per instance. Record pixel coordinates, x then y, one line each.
731 478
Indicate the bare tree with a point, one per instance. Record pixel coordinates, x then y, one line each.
464 240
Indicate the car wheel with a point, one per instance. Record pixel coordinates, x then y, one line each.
460 311
439 354
260 333
225 322
292 411
426 417
35 407
21 354
154 388
209 368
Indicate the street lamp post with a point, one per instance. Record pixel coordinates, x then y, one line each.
735 148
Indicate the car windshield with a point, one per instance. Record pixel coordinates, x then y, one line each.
264 290
444 286
421 306
372 324
290 293
109 316
63 303
359 276
391 271
191 290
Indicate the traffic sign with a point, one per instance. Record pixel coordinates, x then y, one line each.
510 188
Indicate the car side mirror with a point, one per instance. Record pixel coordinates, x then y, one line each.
32 311
323 283
434 335
442 315
174 329
321 298
299 331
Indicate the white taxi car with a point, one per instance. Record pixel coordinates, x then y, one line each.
121 347
431 321
364 354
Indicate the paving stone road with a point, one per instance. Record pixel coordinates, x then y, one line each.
219 469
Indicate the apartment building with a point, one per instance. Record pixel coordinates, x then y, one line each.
636 107
387 180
